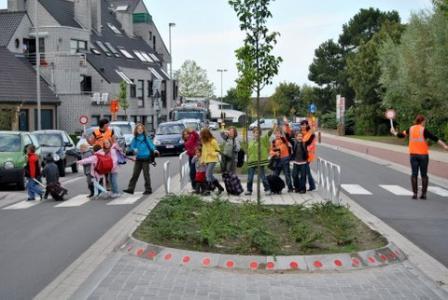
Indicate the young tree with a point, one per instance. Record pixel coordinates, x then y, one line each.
256 64
193 81
123 97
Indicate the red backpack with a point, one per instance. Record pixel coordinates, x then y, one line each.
104 164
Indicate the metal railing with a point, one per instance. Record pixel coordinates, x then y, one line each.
167 177
184 169
329 180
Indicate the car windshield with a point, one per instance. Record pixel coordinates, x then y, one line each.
49 139
125 128
10 143
192 125
170 129
179 115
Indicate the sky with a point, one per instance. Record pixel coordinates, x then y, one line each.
207 31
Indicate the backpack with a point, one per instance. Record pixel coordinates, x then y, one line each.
240 158
276 184
232 183
104 164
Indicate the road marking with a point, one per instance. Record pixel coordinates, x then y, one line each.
23 205
438 191
397 190
355 189
74 202
11 198
126 200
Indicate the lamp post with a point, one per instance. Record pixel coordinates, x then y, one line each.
171 52
36 27
222 71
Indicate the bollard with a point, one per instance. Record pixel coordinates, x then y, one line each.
329 180
319 137
167 177
184 169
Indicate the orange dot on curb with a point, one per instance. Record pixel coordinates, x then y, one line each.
139 252
355 262
372 260
230 264
186 259
206 262
338 263
270 265
253 265
293 265
168 256
317 264
151 254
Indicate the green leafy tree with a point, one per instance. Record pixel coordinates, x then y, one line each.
193 81
123 97
287 99
259 64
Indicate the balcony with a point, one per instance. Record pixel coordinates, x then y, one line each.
139 18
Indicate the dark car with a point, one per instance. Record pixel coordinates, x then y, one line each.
61 146
168 138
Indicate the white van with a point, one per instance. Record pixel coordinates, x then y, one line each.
264 124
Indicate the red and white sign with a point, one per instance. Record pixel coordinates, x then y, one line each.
390 114
83 120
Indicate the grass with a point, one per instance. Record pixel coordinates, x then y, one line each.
187 222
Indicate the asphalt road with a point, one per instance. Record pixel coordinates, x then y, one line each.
39 242
425 223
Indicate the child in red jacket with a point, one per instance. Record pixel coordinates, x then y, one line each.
32 172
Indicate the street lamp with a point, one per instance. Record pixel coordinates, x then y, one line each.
222 72
170 25
36 28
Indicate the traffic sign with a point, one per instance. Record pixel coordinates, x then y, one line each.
312 108
390 114
83 120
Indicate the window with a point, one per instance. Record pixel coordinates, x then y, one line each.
122 118
163 94
154 42
23 120
134 119
27 140
124 77
104 48
140 93
108 117
139 55
133 91
46 119
112 49
95 120
78 46
95 51
155 74
113 27
165 73
150 91
147 57
154 57
86 84
150 35
126 53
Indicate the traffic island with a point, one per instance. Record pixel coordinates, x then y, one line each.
311 236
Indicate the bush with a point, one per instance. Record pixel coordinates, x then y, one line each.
328 120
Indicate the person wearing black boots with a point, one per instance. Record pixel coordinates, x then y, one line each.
419 152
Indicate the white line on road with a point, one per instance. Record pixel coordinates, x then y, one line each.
23 205
397 190
355 189
74 202
126 200
438 191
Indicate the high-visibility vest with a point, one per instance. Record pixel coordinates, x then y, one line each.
101 137
417 143
312 147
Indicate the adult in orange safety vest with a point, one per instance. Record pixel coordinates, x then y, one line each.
102 134
309 138
419 152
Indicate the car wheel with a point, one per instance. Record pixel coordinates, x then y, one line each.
75 168
61 167
21 184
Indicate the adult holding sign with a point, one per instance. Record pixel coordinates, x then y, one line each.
419 152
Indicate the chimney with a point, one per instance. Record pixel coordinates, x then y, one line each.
95 7
126 20
16 5
83 13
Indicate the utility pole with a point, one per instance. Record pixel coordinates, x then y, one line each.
222 97
36 26
171 52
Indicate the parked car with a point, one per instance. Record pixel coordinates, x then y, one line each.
13 156
121 141
127 130
192 123
168 138
213 125
264 124
61 146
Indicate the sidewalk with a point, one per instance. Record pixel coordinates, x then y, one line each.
122 276
394 153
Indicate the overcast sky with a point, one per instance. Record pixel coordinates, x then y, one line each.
208 32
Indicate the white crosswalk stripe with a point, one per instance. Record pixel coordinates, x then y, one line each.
397 190
23 205
126 200
438 191
74 202
355 189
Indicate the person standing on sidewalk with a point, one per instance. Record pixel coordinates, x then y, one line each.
252 160
419 152
281 149
144 148
231 147
210 157
191 144
300 160
309 138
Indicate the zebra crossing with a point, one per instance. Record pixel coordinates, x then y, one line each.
75 201
356 189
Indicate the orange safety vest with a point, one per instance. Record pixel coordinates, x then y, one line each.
312 147
417 143
101 137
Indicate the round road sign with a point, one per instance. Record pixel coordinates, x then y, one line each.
390 114
83 120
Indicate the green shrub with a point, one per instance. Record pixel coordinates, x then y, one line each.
328 120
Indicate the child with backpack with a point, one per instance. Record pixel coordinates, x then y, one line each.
32 173
199 178
230 148
281 152
299 158
51 174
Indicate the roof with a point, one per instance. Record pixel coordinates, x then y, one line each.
9 21
62 10
130 5
18 81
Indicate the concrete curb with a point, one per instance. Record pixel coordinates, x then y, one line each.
387 255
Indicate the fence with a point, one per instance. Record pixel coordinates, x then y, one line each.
329 180
184 170
167 177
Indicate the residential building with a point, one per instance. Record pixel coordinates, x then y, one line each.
89 47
